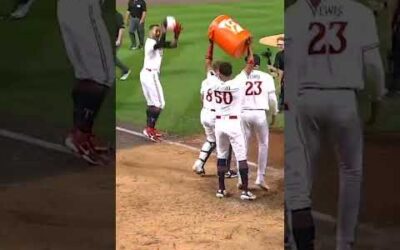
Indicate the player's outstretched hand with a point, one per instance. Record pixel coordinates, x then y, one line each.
177 30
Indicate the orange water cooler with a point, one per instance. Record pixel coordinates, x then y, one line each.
229 35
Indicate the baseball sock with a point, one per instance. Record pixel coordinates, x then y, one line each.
303 229
152 116
87 96
221 169
229 159
244 174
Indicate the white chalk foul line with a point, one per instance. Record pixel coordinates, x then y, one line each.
34 141
128 131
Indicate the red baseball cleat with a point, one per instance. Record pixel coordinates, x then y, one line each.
80 143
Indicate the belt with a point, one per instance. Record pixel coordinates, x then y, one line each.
150 70
231 117
255 109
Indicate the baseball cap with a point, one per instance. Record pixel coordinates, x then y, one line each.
257 59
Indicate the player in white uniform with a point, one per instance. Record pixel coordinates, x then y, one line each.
207 119
149 76
331 46
229 96
260 97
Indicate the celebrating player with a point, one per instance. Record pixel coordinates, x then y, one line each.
149 76
328 53
229 94
259 97
207 118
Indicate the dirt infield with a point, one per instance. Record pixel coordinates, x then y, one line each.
58 202
162 204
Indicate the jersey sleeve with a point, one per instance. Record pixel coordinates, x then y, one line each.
369 37
149 46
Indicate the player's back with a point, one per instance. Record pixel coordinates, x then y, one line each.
258 85
326 42
229 96
152 57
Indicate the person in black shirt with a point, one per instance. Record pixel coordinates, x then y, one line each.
135 17
278 68
120 31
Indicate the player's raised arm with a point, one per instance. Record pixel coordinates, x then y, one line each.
162 43
250 59
209 56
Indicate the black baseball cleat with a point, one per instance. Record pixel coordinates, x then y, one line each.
231 174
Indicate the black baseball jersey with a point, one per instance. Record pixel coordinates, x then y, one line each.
137 7
119 22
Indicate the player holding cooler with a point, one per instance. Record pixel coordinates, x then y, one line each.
229 96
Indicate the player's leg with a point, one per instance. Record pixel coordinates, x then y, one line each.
301 155
152 110
222 141
231 173
210 144
133 26
89 49
238 142
262 133
348 135
161 100
246 129
151 92
124 69
141 34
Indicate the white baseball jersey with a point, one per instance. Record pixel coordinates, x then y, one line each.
207 92
259 86
152 57
326 42
229 96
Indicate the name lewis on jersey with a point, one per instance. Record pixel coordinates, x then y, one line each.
327 10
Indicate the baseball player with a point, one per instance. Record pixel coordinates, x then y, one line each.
330 45
207 118
149 75
89 49
229 94
259 97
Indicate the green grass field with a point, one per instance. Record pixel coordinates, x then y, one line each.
183 68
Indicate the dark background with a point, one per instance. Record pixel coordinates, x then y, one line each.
49 199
